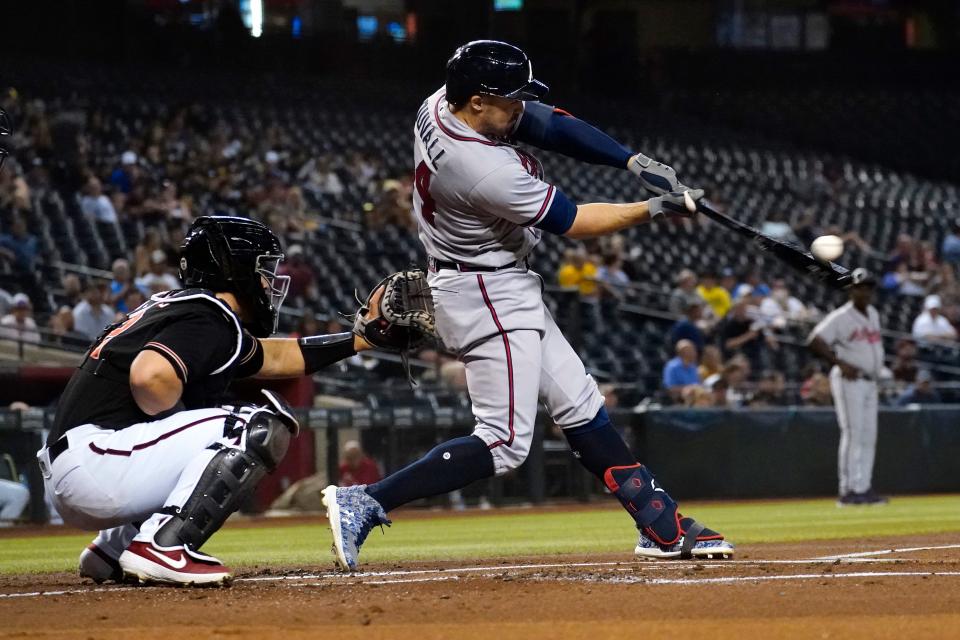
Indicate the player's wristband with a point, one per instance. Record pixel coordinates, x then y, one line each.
321 351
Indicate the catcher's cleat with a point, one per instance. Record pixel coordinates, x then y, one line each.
179 565
352 514
697 542
98 566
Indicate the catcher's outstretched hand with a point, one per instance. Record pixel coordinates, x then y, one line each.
398 314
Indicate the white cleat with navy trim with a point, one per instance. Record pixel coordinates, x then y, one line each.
179 565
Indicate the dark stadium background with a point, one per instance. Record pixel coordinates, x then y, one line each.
807 114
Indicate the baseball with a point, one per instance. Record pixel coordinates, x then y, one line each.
827 247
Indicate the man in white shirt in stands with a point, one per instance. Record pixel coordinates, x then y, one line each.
931 324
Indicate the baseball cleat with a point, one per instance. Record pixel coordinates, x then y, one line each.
179 565
352 514
705 545
98 566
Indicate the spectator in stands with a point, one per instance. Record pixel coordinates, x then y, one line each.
903 281
738 333
303 286
121 284
684 292
904 367
771 390
780 309
950 248
19 324
61 327
393 208
733 375
14 497
728 280
96 206
92 314
711 361
133 299
815 391
149 244
686 327
579 271
453 374
612 277
171 205
127 174
159 277
752 284
715 295
921 392
931 324
902 250
681 371
719 393
318 177
19 247
357 467
72 289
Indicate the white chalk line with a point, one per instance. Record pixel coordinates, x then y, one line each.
881 552
857 557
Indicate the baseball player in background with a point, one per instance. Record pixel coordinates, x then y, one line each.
482 206
849 339
141 446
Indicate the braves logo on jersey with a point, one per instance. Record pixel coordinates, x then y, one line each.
865 334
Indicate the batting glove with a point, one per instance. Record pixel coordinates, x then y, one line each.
655 176
676 204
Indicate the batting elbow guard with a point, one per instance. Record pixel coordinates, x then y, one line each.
654 511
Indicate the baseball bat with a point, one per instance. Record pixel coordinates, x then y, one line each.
829 273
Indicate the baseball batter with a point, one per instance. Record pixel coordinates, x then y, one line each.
141 447
482 206
849 339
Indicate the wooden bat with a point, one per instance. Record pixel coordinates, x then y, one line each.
829 273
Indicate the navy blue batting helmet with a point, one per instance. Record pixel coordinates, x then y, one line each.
494 68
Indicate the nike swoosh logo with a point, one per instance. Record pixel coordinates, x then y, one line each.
176 564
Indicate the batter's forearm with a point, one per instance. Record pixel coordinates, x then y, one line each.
598 219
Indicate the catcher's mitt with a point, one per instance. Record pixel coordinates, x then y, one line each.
401 317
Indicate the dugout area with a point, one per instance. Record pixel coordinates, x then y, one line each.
479 585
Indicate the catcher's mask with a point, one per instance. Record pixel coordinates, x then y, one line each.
239 256
6 133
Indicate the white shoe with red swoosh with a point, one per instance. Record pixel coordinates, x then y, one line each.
180 565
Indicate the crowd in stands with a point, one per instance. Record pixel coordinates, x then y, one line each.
147 171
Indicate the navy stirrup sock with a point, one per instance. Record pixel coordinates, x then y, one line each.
448 466
598 445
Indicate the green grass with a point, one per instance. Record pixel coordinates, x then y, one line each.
526 533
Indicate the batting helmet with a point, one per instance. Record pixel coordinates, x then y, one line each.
493 68
238 256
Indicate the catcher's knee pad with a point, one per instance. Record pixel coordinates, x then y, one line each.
267 438
654 511
225 484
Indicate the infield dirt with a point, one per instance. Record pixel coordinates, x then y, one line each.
903 594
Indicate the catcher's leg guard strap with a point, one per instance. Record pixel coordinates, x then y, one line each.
651 507
226 483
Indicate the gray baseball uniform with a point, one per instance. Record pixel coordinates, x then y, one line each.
855 338
477 202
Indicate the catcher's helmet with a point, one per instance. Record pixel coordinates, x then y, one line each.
493 68
238 256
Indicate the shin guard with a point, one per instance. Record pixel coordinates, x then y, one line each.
654 511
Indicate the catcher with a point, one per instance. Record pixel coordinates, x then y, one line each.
142 447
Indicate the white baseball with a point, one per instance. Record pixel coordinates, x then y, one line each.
827 247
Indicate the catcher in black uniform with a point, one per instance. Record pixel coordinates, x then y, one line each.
142 448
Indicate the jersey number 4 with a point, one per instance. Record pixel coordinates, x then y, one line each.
421 180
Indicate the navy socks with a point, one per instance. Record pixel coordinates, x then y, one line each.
448 466
599 446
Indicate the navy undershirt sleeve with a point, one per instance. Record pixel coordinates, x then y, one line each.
548 128
559 217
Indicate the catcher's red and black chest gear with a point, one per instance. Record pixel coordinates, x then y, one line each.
198 334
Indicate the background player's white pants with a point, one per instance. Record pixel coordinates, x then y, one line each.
856 404
109 479
515 357
13 498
